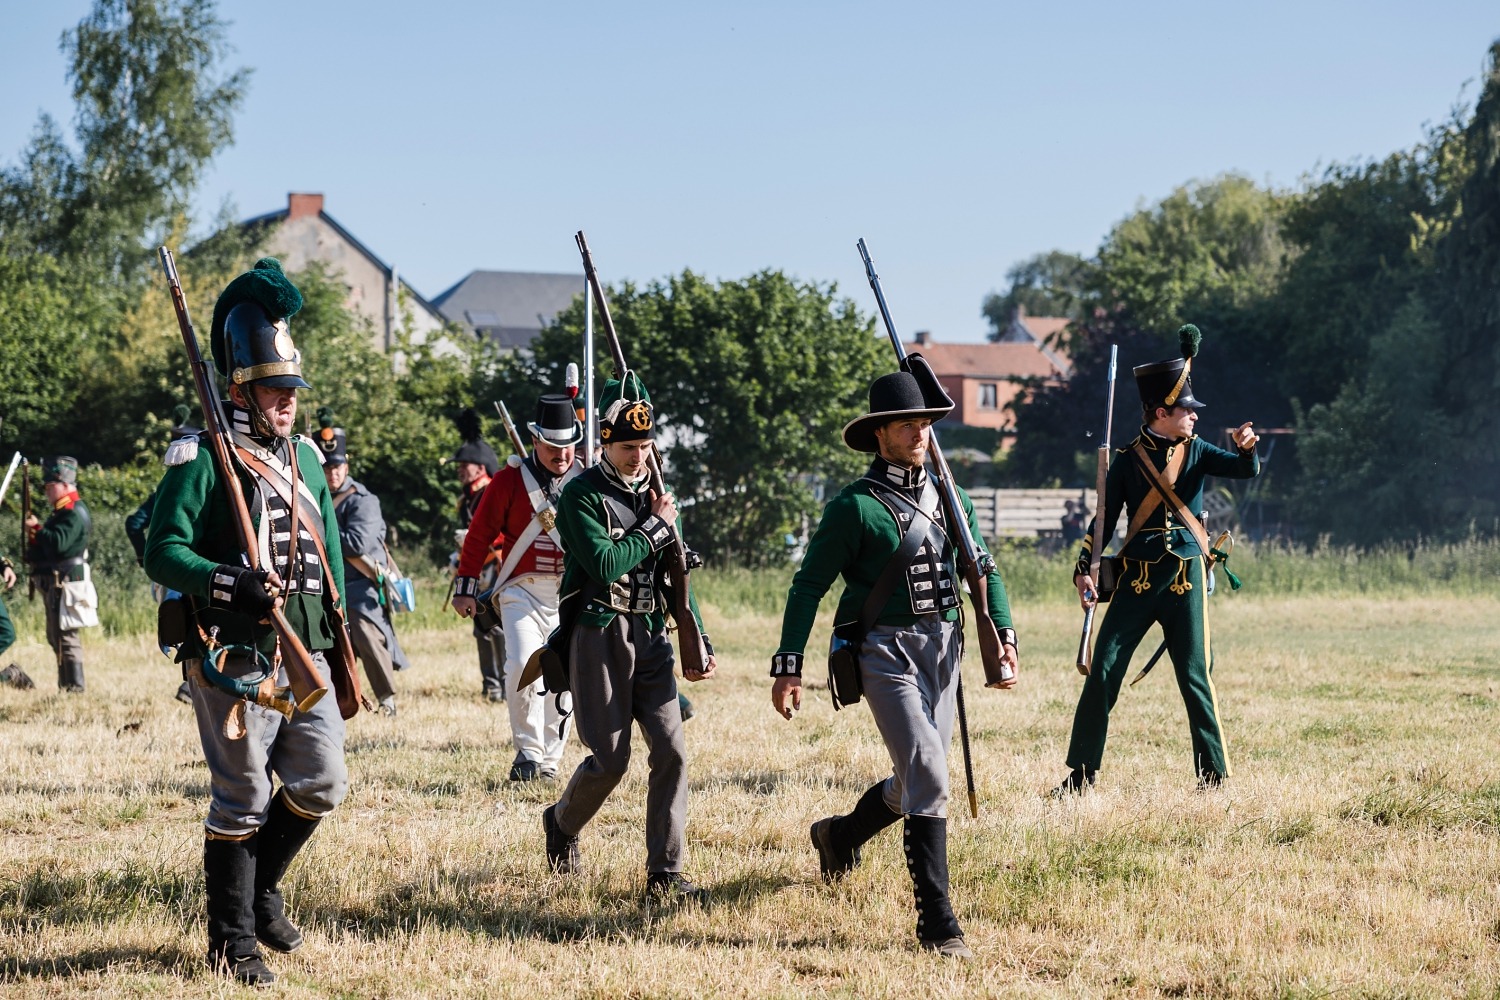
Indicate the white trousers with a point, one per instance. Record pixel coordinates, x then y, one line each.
538 724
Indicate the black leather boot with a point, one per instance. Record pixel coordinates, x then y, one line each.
229 883
839 838
926 848
278 842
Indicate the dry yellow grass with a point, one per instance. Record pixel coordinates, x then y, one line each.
1354 853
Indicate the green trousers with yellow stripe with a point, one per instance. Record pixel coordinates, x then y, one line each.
1171 592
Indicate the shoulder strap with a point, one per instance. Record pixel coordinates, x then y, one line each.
1183 514
900 562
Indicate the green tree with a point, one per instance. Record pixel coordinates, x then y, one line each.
1054 283
753 380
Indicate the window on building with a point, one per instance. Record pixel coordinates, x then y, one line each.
987 396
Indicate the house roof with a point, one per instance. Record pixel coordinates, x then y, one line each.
280 215
993 361
510 306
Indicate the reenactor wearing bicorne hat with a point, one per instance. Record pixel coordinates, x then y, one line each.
1158 480
476 463
367 564
253 829
515 526
907 659
619 661
58 552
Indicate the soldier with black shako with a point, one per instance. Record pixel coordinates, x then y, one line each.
619 659
229 650
367 564
1166 569
900 617
58 552
475 463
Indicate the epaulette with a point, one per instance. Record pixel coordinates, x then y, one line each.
315 449
514 461
182 451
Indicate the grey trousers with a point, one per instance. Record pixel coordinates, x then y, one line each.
306 752
64 642
619 674
910 675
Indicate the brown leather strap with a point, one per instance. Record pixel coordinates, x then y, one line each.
1153 500
1189 520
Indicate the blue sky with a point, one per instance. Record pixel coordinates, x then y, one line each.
956 138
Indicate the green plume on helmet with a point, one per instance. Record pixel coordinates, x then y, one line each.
264 284
1190 339
325 416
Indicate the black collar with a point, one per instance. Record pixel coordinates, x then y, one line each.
897 475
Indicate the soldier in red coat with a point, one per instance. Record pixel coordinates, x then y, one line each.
514 526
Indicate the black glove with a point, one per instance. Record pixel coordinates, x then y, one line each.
241 590
693 559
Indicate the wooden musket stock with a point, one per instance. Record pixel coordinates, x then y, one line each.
302 674
691 651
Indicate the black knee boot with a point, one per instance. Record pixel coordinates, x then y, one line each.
839 838
926 847
278 842
229 883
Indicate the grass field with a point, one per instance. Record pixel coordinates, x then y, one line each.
1353 854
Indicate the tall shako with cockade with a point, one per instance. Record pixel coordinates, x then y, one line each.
619 661
229 649
367 564
1166 569
515 528
888 536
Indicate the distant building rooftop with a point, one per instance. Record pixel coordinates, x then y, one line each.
510 307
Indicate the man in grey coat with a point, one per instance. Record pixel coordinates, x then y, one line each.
366 565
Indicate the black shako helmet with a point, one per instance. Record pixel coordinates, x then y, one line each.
251 333
1170 383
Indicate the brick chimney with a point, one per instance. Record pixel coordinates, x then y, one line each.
924 337
301 205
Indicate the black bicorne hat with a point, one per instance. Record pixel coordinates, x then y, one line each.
556 421
332 442
904 395
1170 383
475 448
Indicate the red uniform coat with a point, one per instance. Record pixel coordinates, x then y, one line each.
503 514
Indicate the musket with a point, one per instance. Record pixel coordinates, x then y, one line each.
691 651
1096 553
306 683
25 535
974 564
510 429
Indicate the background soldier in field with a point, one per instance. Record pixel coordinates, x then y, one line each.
620 661
908 662
367 563
475 463
251 834
515 525
58 552
1165 568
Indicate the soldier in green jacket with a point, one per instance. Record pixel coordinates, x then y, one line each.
620 662
58 552
1166 567
253 830
908 663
